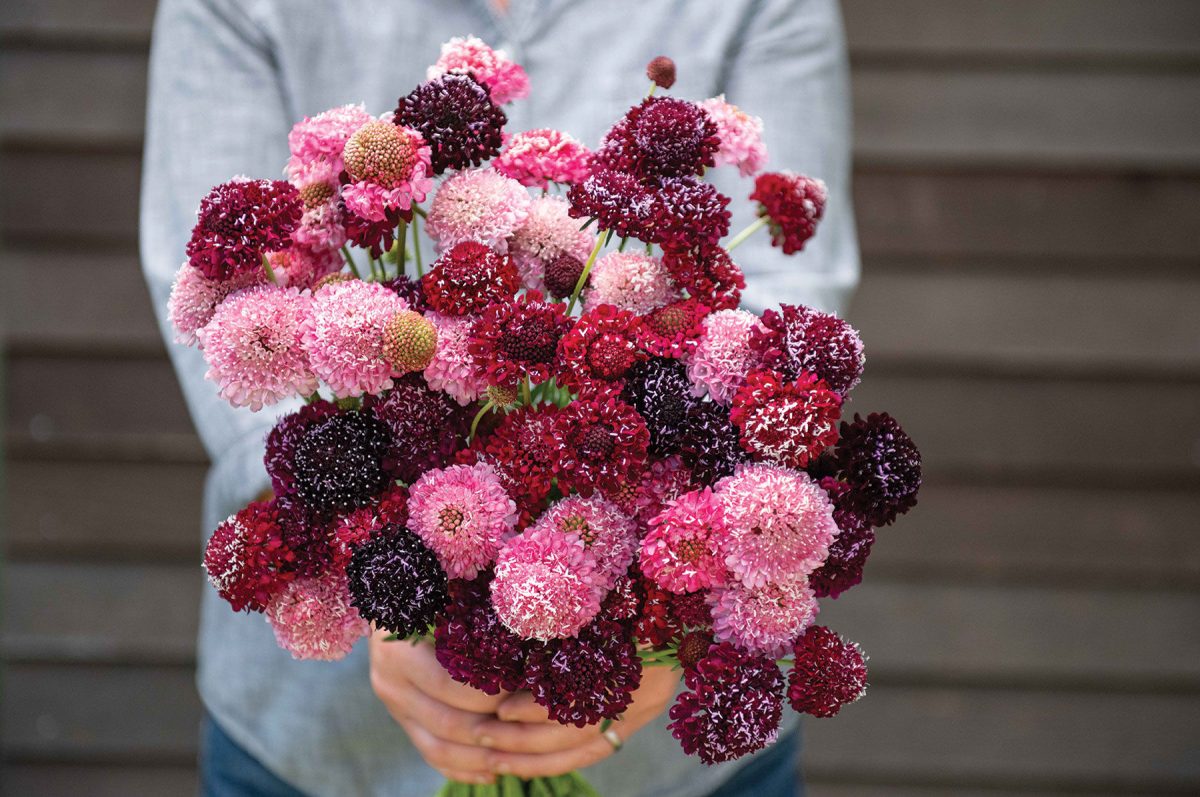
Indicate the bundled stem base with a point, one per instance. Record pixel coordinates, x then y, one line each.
571 784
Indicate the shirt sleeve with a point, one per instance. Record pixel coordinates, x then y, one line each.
215 110
789 66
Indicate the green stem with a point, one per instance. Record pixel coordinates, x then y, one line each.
270 271
525 392
417 209
624 240
402 254
754 227
488 407
312 398
417 245
587 269
653 88
350 261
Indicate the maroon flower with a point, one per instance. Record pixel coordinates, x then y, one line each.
374 236
518 340
661 137
732 705
467 278
601 347
247 558
882 466
828 673
848 552
427 426
710 443
360 525
798 339
673 330
661 70
523 450
473 645
602 444
583 679
792 204
660 392
708 273
693 647
283 439
787 423
562 274
239 222
688 212
618 201
455 114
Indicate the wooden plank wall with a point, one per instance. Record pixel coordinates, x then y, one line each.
1027 187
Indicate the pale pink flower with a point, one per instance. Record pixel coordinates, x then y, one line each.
724 355
452 369
345 339
463 514
505 78
741 136
545 585
477 205
606 531
765 619
313 618
321 138
630 281
194 298
548 233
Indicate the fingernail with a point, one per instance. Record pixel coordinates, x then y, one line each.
503 767
487 741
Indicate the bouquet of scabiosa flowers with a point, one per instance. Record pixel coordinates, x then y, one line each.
560 451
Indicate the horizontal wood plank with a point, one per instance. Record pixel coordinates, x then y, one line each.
93 22
100 189
64 780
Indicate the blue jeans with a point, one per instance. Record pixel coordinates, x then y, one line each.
226 770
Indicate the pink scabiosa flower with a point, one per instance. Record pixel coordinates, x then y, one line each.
608 533
797 339
602 443
630 281
724 355
452 369
545 585
240 221
731 707
389 170
548 234
681 552
788 423
827 674
765 619
320 139
792 205
254 346
539 157
195 297
768 539
313 619
493 68
248 559
463 515
517 340
601 347
301 267
477 205
740 134
616 200
345 340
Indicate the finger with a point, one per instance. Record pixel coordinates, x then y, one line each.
447 756
468 777
533 765
520 707
443 721
418 665
532 737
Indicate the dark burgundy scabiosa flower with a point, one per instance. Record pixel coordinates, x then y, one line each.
828 673
673 330
661 137
797 339
467 278
732 705
523 449
583 679
688 212
848 552
426 426
693 647
455 114
409 290
618 201
283 439
656 626
792 204
692 609
708 273
710 443
338 464
356 527
308 534
562 274
601 347
239 222
375 236
473 645
624 600
661 70
396 582
602 444
518 340
247 558
660 392
787 423
882 466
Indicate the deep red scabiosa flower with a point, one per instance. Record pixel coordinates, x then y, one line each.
616 200
426 426
688 211
691 609
710 444
388 169
312 618
792 205
673 330
376 237
624 600
693 646
536 158
247 558
660 392
194 298
477 205
455 114
357 526
827 674
708 274
523 449
661 137
603 444
723 357
763 619
338 462
661 70
562 275
797 339
239 222
609 534
787 423
848 553
283 439
518 340
396 582
345 338
769 539
301 267
493 68
467 278
308 533
601 346
473 645
682 552
731 707
656 626
584 679
546 585
463 514
409 342
882 466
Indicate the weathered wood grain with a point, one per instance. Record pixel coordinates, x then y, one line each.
64 780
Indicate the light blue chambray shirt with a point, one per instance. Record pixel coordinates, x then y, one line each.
229 77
